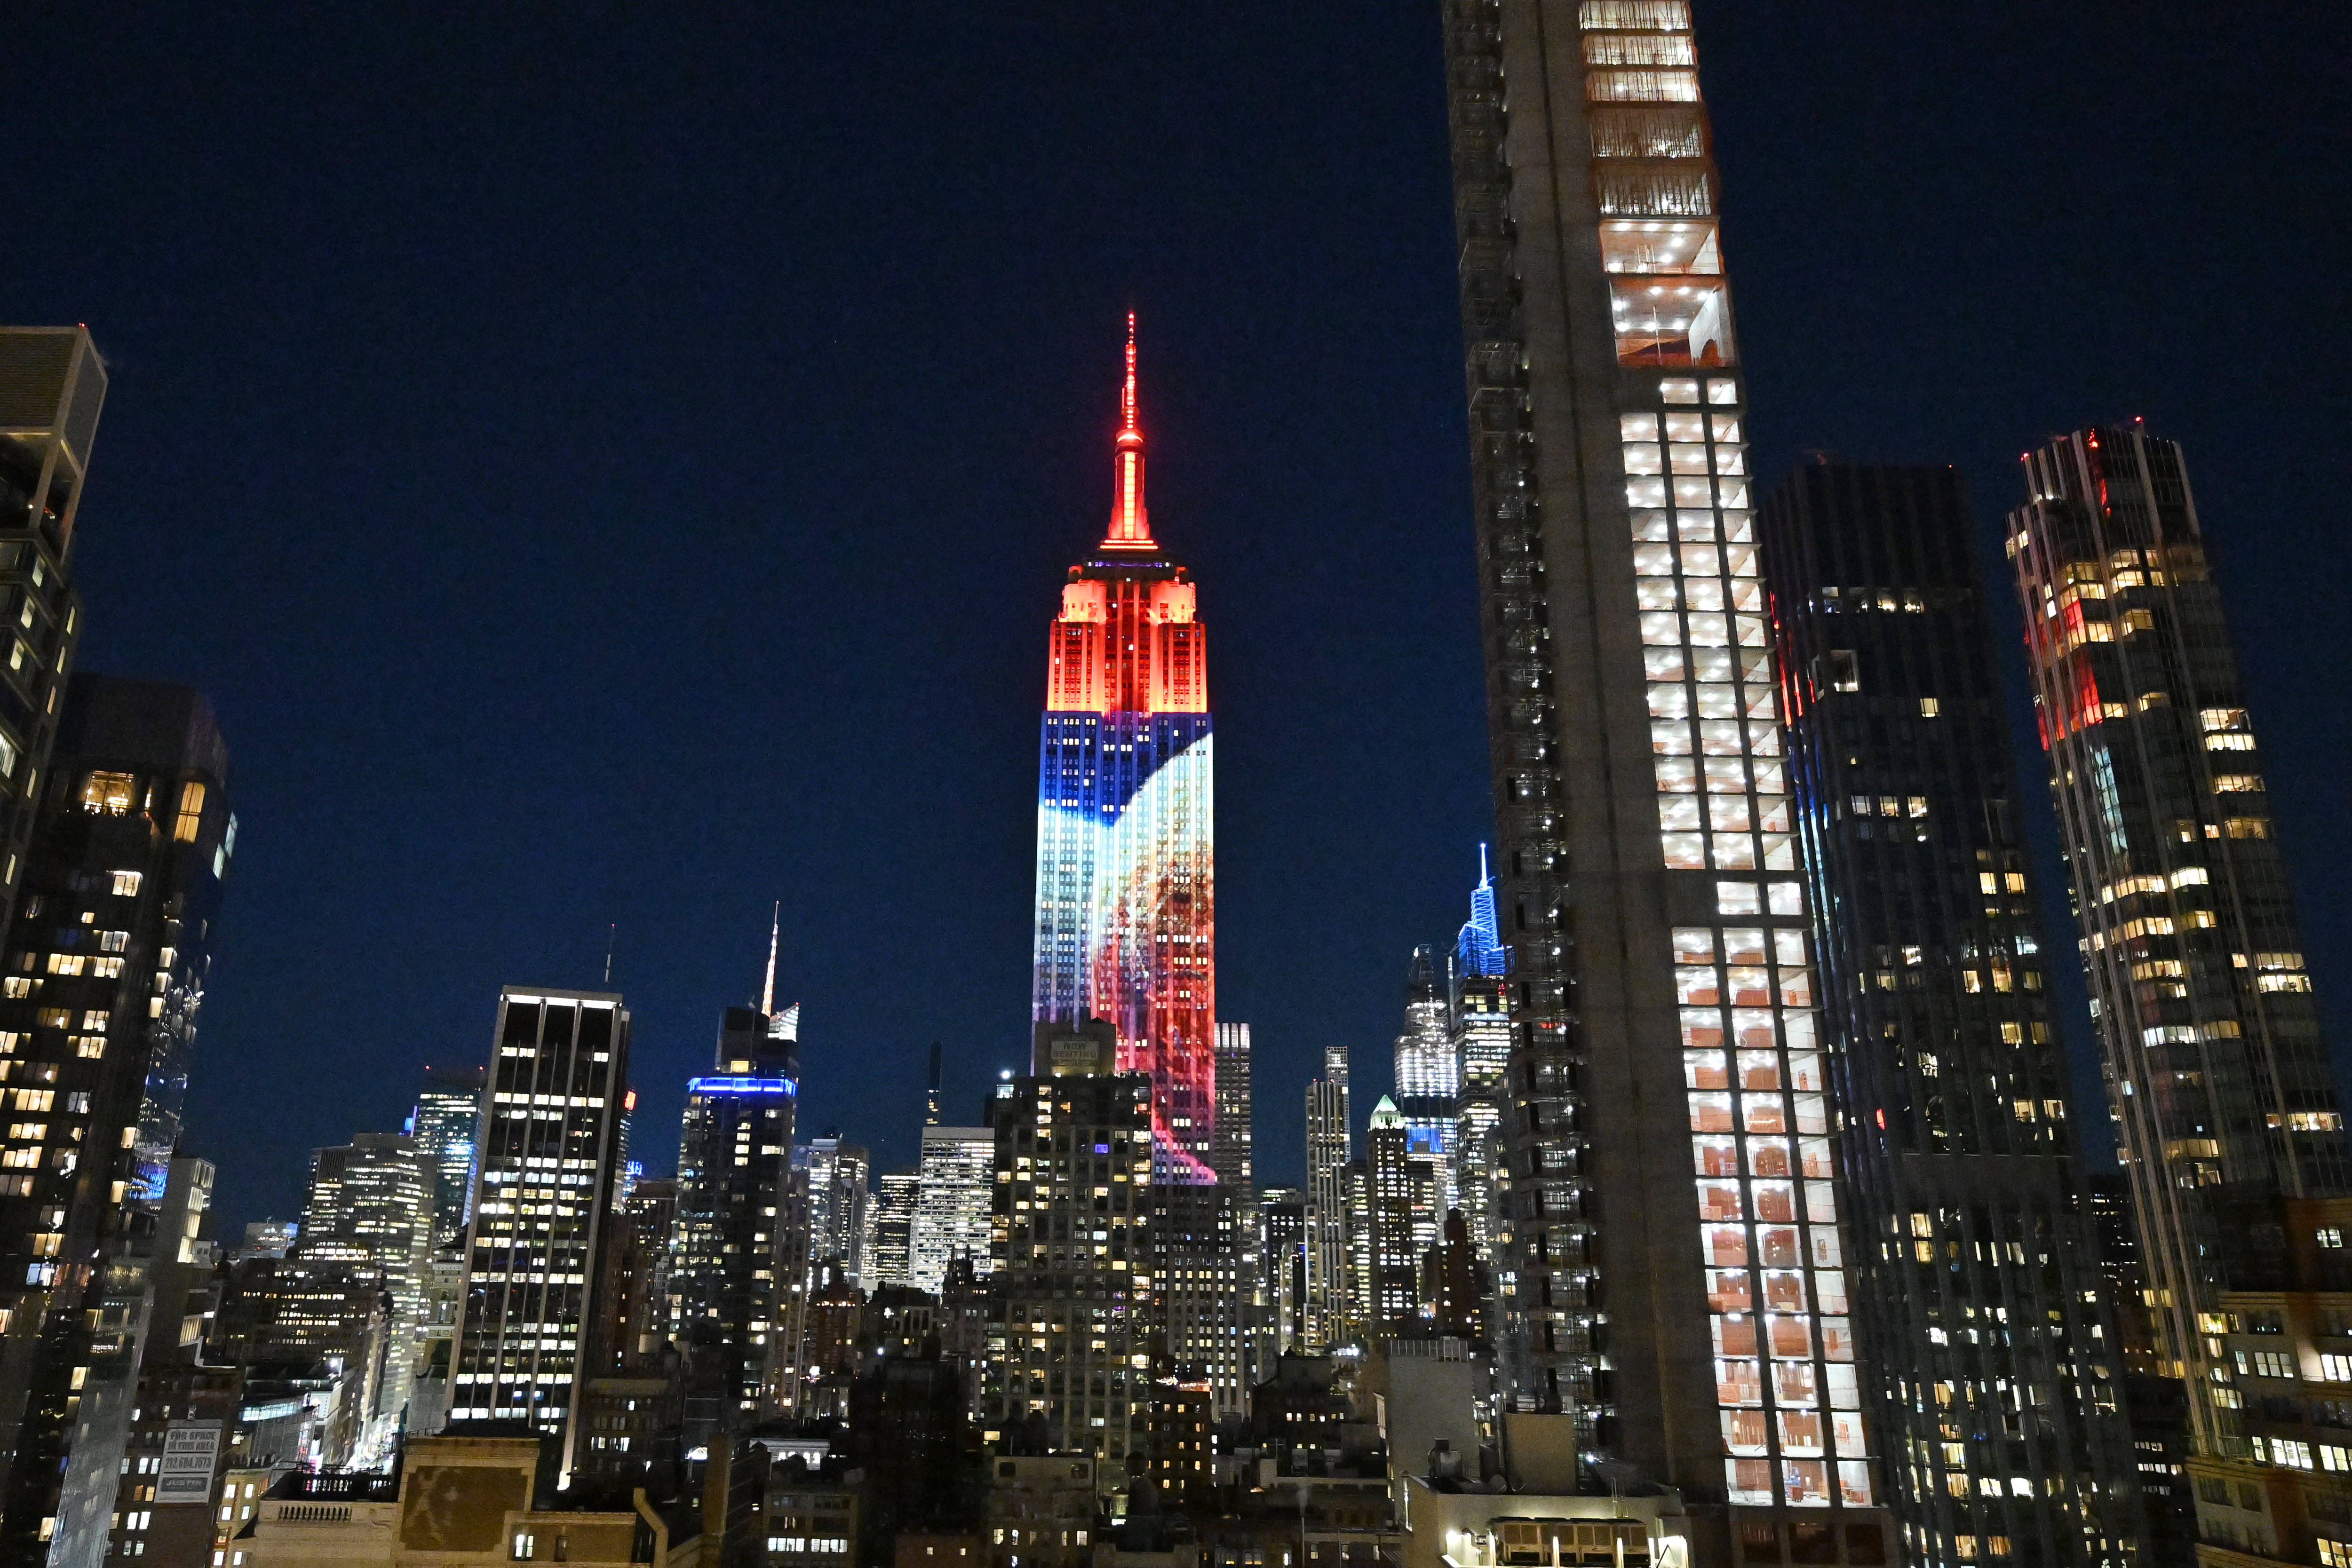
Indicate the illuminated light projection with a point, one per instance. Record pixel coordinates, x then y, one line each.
1126 905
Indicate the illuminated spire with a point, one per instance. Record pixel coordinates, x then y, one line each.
1130 525
768 986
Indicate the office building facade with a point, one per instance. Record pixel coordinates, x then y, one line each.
838 1197
547 1152
105 973
2219 1077
1231 1156
957 1190
1403 1214
447 1114
371 1205
735 1256
1331 1298
1646 857
1965 1200
1125 917
1428 1068
894 1227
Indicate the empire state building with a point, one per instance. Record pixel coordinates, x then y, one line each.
1126 905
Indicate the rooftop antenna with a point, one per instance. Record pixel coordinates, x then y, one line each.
611 932
932 1099
768 986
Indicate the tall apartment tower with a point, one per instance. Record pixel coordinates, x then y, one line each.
1331 1296
535 1251
448 1110
1428 1069
370 1207
1071 1304
734 1258
52 386
2207 1021
104 977
1126 927
1231 1155
1645 853
957 1188
1967 1202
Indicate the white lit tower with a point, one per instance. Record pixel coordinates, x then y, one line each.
1694 1325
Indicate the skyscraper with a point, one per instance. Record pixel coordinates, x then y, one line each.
1479 949
2207 1022
838 1197
1957 1144
735 1259
1403 1209
106 970
447 1116
535 1250
1126 924
52 386
958 1187
894 1227
1231 1156
1071 1302
1635 744
370 1207
1331 1302
1479 1025
1428 1070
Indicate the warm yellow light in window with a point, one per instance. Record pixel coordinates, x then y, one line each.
191 812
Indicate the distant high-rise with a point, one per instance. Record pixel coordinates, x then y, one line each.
52 386
1281 1261
2220 1081
838 1195
1646 863
957 1187
1428 1069
370 1206
536 1247
1479 949
894 1228
1403 1212
120 897
735 1260
1479 1034
1199 1296
1331 1302
1230 1158
1125 912
446 1122
1072 1298
1956 1141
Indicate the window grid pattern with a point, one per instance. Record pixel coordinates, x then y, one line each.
1782 1330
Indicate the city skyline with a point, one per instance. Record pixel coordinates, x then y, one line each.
1031 474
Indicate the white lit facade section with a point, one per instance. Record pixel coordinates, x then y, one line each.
1482 1050
1790 1401
957 1183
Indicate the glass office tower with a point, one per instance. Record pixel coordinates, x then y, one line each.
2219 1078
1990 1371
1662 1278
1126 922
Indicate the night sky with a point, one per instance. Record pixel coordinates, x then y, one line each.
614 466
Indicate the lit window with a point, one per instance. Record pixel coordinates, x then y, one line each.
1930 707
191 812
107 794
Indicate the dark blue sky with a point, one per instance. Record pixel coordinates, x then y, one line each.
613 464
